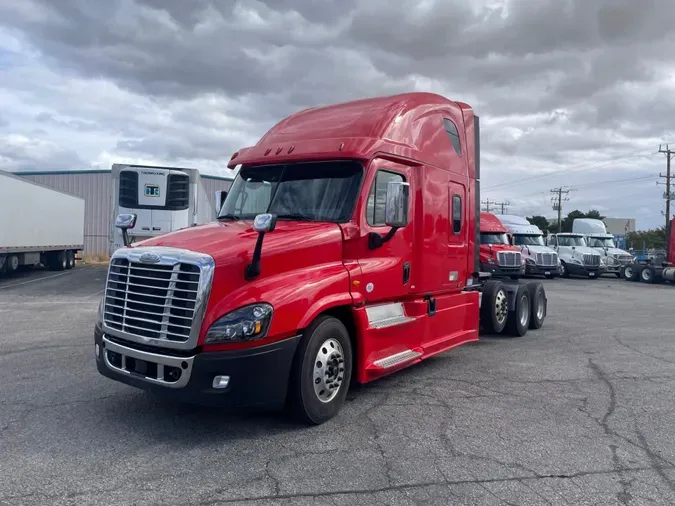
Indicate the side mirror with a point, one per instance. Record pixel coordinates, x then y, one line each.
220 198
125 222
397 204
262 224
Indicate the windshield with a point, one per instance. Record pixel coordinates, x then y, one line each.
493 238
528 240
601 242
314 191
566 240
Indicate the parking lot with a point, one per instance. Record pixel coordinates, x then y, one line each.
579 412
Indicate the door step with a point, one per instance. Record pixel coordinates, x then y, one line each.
397 359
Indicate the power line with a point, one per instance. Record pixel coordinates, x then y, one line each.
667 195
556 173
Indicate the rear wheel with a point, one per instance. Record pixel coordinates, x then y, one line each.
537 305
322 369
519 318
70 259
58 260
648 274
494 308
12 263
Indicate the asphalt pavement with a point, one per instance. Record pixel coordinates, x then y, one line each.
579 412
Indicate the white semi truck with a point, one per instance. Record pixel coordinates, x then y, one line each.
595 233
540 260
576 258
39 225
164 199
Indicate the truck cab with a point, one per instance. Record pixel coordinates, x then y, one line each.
497 256
345 250
576 258
595 233
540 260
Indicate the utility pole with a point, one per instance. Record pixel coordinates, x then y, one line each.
487 203
557 199
667 195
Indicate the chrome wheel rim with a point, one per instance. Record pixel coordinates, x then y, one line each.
628 272
646 274
524 311
501 306
329 370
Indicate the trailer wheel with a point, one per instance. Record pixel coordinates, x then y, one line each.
12 262
494 310
57 260
537 304
519 318
322 370
648 274
70 259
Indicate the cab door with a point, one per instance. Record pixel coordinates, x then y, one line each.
387 270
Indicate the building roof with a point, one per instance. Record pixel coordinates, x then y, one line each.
97 171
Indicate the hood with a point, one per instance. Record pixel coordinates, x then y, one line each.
232 242
536 249
614 251
485 248
582 250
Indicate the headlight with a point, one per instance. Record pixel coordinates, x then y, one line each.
575 260
529 261
491 260
245 324
603 261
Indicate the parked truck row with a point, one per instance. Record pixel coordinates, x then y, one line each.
48 230
348 247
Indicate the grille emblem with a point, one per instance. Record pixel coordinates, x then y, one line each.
149 258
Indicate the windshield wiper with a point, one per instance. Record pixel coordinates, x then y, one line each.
298 217
229 217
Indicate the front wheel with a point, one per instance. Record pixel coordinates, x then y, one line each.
321 372
563 270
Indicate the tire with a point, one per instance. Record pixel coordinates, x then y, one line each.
564 273
309 404
70 259
537 304
12 262
648 275
494 307
58 261
631 273
519 318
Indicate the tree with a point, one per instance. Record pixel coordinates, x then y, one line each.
654 238
539 221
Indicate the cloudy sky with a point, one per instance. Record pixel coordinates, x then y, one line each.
570 92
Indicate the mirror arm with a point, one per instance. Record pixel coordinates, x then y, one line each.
375 240
253 269
125 237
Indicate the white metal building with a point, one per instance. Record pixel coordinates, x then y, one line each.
96 187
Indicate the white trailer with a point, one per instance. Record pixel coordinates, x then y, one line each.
164 199
39 225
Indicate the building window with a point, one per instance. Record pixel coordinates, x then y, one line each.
378 196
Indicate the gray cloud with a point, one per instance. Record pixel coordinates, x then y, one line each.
559 85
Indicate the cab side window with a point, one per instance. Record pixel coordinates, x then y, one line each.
453 134
377 196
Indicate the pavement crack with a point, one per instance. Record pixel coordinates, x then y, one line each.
643 441
40 348
639 352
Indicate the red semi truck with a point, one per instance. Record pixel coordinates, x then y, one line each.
497 256
346 249
654 270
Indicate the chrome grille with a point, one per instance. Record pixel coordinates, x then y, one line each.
508 259
547 259
592 259
151 301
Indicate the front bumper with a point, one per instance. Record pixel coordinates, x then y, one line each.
541 270
258 377
498 271
585 270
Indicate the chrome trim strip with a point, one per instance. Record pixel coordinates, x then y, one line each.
160 360
169 256
398 358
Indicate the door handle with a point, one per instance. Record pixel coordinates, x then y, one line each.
406 272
